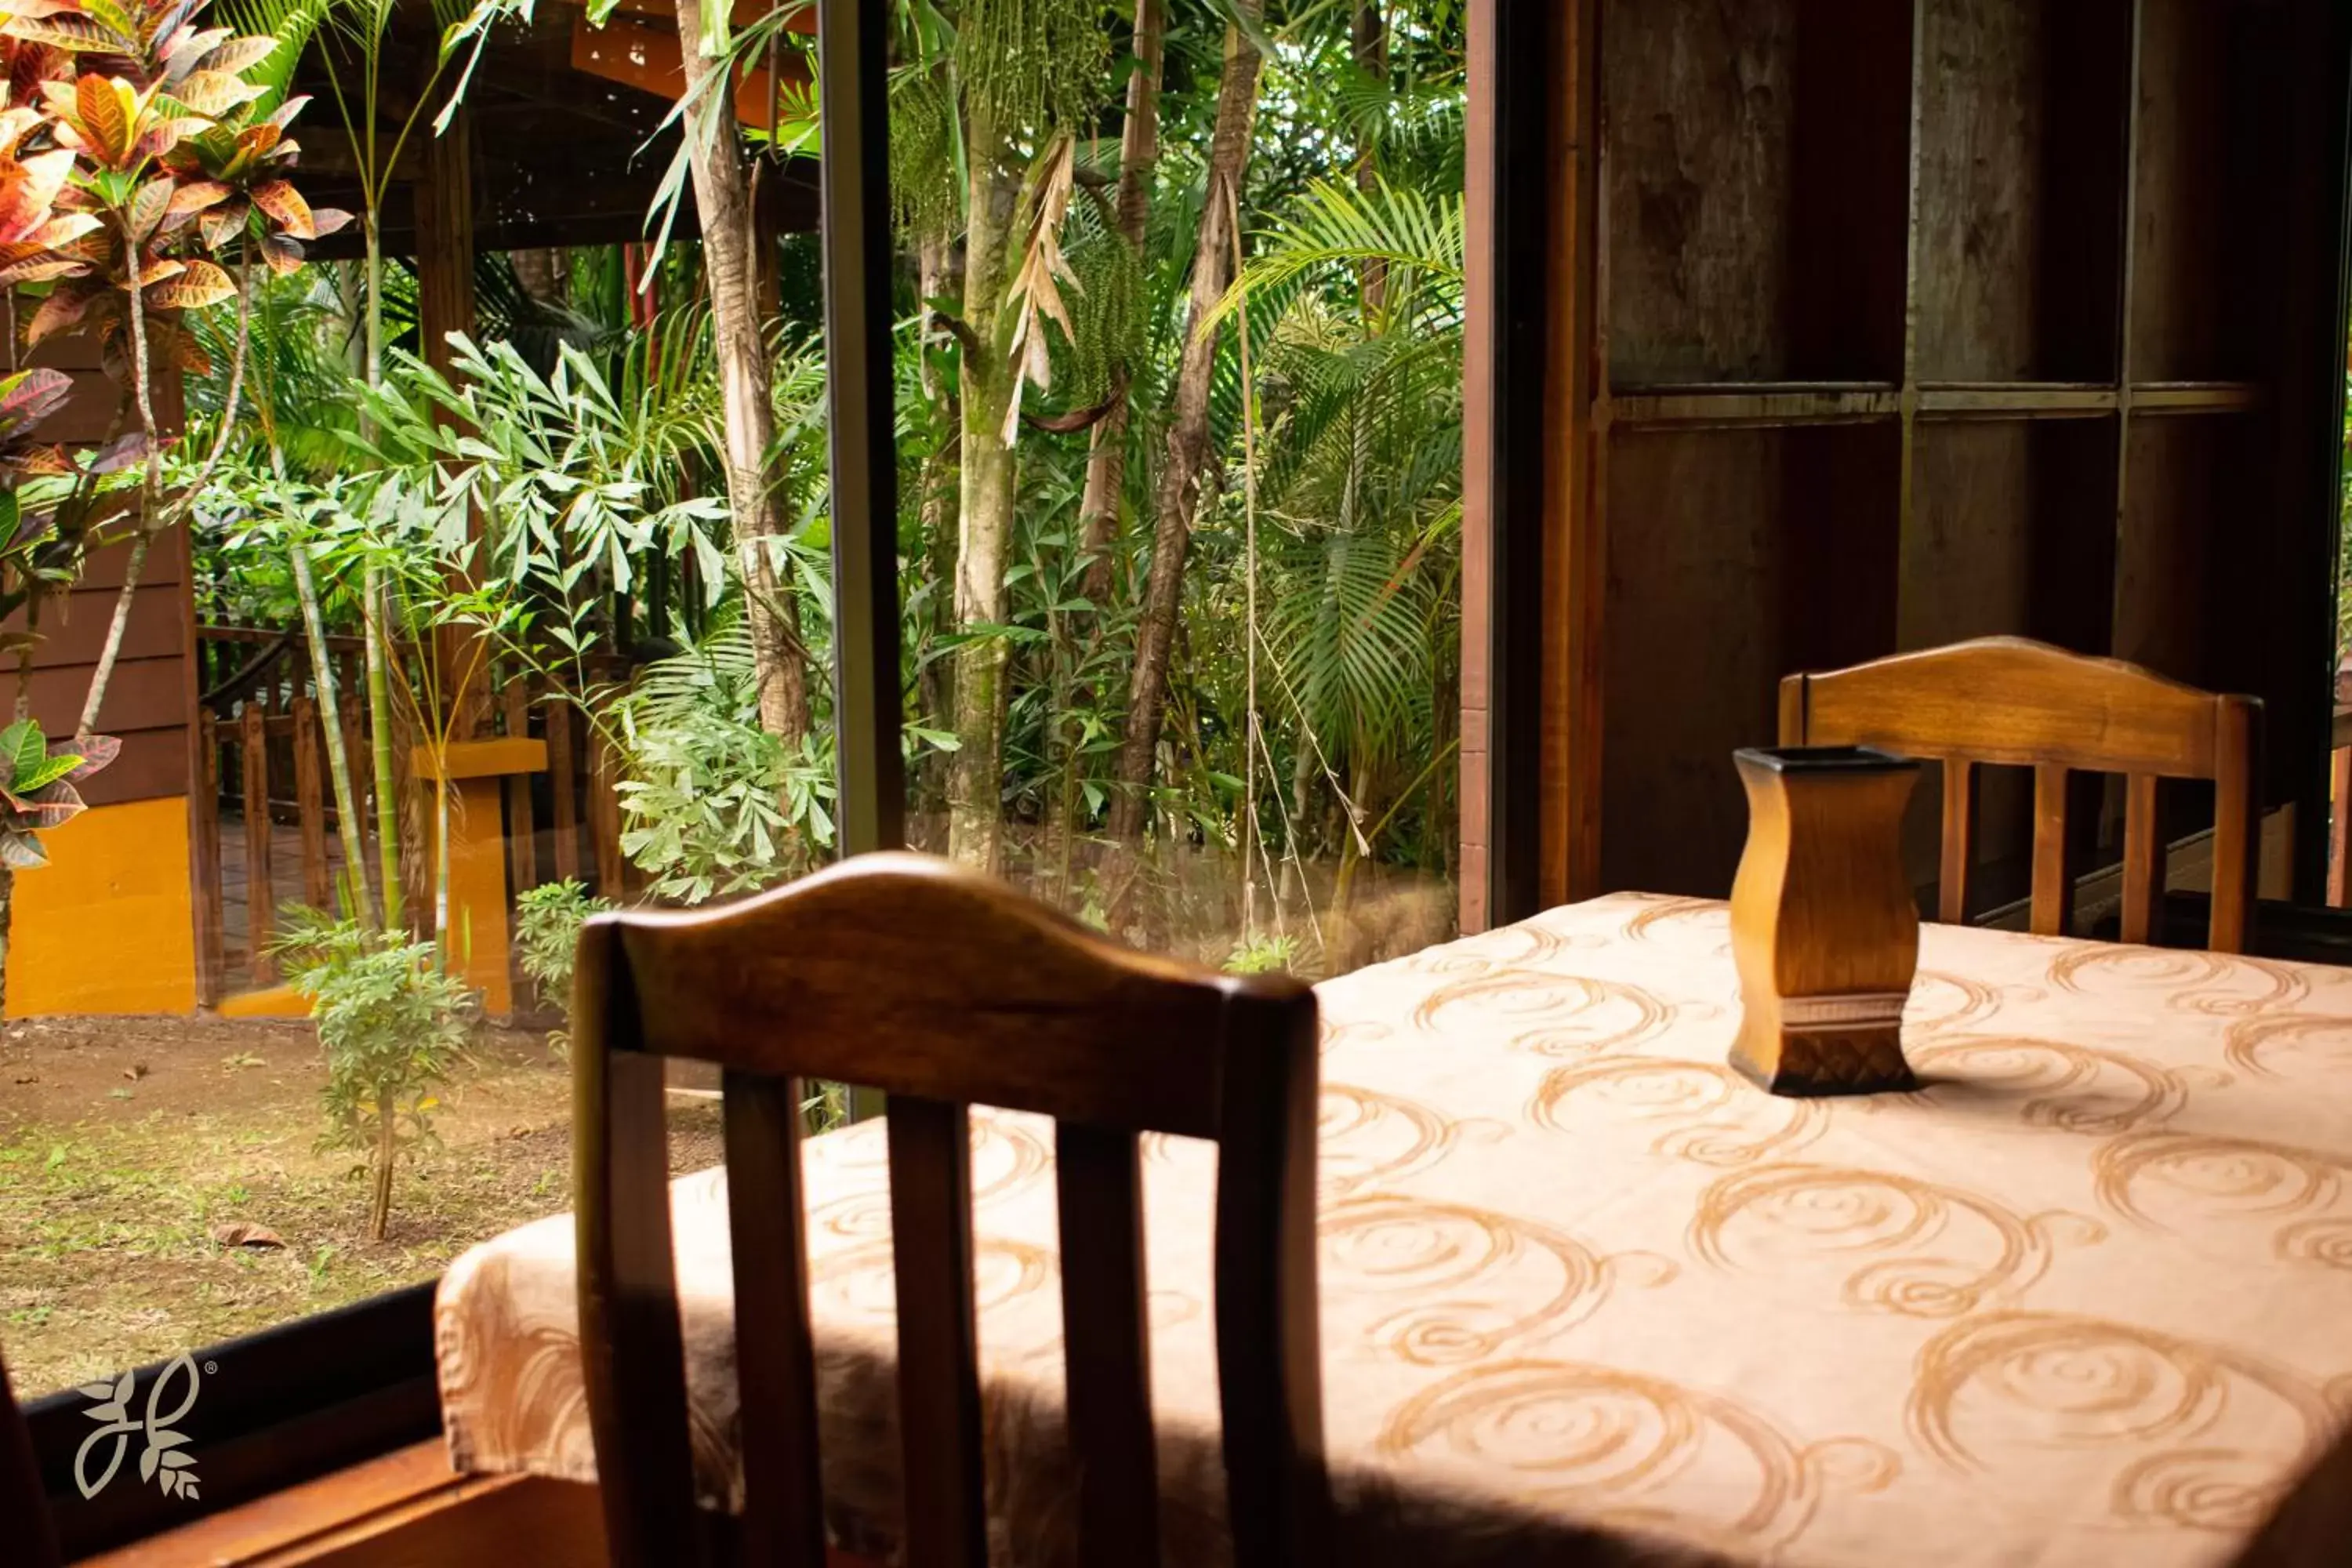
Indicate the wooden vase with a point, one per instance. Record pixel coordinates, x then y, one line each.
1823 926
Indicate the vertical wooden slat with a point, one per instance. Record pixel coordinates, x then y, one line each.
939 1367
784 1508
1106 1346
2143 859
522 835
604 820
260 898
632 1343
564 789
1576 434
1269 1371
1957 859
310 806
2234 825
212 961
2340 829
2053 890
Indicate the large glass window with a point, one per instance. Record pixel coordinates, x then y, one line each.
1182 474
484 579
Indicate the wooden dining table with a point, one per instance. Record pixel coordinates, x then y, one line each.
1589 1296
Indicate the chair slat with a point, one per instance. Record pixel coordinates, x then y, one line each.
1269 1373
942 1477
2234 825
2053 890
632 1348
2143 859
775 1358
1957 859
1107 1347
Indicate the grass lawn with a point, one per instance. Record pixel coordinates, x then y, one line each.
125 1144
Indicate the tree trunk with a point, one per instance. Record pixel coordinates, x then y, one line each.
722 196
1188 433
375 624
937 273
331 720
386 1153
1368 42
1139 154
985 507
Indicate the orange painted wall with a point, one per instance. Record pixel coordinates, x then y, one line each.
108 924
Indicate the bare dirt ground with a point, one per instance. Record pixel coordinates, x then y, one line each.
126 1142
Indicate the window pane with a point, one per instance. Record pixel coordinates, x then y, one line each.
1181 573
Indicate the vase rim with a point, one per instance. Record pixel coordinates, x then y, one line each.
1825 759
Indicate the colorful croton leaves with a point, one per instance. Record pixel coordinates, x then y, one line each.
164 167
38 789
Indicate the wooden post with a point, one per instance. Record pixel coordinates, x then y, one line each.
260 896
445 304
310 806
522 837
2340 819
563 789
206 818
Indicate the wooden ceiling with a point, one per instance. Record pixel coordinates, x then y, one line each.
558 156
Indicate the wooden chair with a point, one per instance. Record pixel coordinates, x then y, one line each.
28 1536
2008 701
942 989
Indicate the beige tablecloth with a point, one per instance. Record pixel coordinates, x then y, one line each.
1590 1297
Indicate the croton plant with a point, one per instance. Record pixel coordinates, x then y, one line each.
38 792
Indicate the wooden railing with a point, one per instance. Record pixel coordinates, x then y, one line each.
263 757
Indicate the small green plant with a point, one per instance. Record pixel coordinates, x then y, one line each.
1263 956
547 935
547 931
36 789
393 1022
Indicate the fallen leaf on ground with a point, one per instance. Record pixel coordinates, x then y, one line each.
243 1233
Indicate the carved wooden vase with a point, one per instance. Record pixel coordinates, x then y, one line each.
1823 926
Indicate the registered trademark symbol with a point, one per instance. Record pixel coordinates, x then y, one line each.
211 1367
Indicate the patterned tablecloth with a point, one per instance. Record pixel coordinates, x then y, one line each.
1588 1296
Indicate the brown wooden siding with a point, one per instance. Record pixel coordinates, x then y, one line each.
149 701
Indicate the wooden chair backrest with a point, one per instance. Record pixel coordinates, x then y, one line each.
2009 700
28 1535
943 989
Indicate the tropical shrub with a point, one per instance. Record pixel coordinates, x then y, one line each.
392 1023
36 787
547 919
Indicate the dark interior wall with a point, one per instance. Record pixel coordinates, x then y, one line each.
1921 323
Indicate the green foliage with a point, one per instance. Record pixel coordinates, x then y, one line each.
1263 956
1027 65
716 803
392 1020
547 919
926 201
36 789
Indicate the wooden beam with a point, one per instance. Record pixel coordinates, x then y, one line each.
644 56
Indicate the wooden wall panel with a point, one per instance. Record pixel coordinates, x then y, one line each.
2184 326
2177 472
147 699
2066 363
1690 631
1700 100
2021 142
